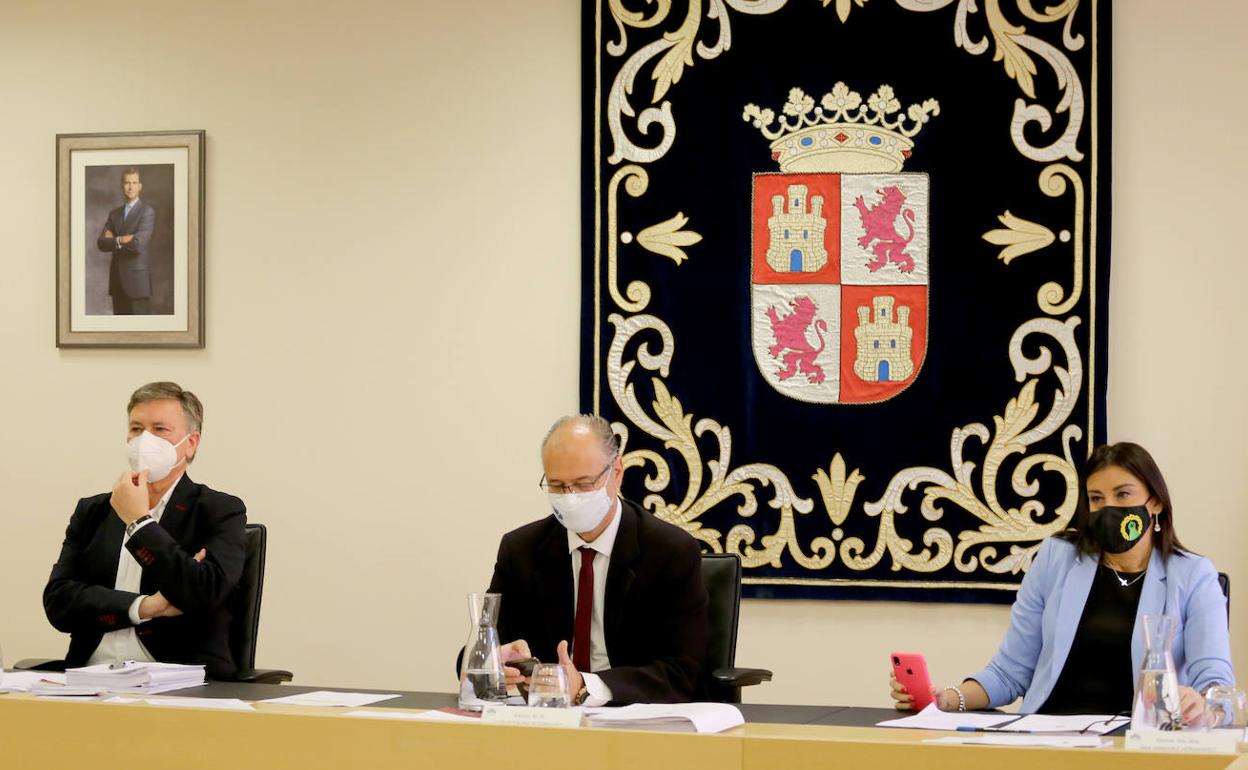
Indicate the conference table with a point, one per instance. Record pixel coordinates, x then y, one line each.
61 733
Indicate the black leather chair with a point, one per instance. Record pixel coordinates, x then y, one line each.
246 611
721 573
1224 581
245 607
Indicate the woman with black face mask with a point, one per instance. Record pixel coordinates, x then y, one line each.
1075 641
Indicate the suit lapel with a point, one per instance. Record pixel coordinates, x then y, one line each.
1152 602
554 581
178 509
620 573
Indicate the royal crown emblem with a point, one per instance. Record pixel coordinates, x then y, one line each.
843 133
840 260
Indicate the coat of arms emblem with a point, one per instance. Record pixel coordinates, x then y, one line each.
840 248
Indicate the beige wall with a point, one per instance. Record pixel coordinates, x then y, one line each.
380 365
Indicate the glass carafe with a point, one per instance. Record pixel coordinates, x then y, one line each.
1156 704
481 680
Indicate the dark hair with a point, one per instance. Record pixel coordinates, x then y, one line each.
155 391
1136 460
129 171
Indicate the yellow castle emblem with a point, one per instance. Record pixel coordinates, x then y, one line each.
796 244
883 344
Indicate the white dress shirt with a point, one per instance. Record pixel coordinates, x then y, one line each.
124 643
599 693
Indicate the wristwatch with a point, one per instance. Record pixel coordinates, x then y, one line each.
134 525
581 695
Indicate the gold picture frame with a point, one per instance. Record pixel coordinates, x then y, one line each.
130 239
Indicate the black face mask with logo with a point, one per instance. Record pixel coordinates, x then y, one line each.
1117 530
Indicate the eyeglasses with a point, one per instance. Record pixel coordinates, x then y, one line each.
556 488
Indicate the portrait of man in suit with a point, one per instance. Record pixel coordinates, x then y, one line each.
126 235
133 238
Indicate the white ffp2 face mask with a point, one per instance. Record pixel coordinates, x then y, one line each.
153 454
582 511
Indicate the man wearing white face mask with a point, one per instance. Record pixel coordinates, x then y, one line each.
601 585
145 571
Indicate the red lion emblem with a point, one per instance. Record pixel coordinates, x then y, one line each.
879 222
790 334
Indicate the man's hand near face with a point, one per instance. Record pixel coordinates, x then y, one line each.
130 496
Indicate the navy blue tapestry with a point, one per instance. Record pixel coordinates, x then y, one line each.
845 279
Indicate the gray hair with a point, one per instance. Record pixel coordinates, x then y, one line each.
155 391
596 425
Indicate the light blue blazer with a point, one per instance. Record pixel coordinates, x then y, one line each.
1050 603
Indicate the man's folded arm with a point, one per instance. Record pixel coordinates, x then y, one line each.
106 242
190 585
142 234
74 605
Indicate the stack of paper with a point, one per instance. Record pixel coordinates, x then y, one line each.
23 681
683 717
132 677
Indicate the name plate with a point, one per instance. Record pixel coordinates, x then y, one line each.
1183 741
529 715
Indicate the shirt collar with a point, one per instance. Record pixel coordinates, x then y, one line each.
156 512
132 204
605 541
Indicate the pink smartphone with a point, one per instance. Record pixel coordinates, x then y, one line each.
911 670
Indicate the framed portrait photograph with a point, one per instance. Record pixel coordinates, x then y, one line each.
130 239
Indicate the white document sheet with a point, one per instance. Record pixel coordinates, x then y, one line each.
1095 724
327 698
1015 739
220 704
932 718
22 681
702 717
47 690
432 715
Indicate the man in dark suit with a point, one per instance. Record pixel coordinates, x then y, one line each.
623 586
126 235
145 572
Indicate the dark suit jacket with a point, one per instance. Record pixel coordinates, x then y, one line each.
654 615
81 601
129 274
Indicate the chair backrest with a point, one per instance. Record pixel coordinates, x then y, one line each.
1224 580
721 573
245 626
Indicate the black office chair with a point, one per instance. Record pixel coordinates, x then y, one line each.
1224 581
721 573
245 607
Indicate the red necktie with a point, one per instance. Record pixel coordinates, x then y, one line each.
584 610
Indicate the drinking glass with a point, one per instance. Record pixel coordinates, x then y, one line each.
1226 707
548 686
